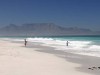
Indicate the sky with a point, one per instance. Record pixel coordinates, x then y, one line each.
67 13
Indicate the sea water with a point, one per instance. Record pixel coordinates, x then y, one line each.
85 45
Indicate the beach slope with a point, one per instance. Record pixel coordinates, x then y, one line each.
15 59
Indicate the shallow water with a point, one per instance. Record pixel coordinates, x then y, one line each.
85 45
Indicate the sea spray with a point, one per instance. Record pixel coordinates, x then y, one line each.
78 45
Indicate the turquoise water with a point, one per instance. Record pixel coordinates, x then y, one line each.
94 39
85 45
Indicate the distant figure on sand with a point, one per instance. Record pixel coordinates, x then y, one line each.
25 42
67 43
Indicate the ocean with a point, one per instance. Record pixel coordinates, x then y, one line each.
84 45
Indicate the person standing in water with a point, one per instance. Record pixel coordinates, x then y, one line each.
67 43
25 42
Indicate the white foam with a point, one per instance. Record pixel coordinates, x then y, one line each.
78 47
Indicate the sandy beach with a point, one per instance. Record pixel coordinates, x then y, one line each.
35 59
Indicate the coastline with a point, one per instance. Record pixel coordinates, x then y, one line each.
35 59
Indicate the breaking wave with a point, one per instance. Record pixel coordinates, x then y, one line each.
83 47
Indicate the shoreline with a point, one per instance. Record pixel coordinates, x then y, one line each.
36 58
85 61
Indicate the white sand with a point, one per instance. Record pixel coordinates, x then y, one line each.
15 59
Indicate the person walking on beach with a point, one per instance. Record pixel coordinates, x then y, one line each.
25 42
67 43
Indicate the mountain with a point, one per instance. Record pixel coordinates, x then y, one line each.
43 29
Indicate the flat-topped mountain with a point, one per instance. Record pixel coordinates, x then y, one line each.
43 29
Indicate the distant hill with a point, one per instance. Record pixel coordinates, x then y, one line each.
43 29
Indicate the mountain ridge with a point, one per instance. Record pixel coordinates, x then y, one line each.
44 29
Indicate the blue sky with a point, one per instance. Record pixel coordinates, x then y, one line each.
68 13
